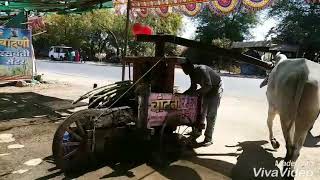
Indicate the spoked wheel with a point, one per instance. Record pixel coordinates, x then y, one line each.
173 139
73 142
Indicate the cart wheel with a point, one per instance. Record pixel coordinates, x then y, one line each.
73 141
174 138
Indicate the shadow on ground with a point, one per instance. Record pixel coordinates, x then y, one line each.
250 155
253 158
32 105
253 155
311 141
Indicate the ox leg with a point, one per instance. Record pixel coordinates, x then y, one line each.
314 122
308 112
271 115
293 152
287 134
288 166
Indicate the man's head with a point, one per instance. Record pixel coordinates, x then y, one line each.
187 66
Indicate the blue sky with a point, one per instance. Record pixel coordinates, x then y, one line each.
259 32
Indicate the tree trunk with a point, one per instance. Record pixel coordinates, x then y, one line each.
91 51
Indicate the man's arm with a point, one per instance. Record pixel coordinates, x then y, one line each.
207 85
192 88
205 89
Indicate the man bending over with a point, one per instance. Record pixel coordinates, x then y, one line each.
210 92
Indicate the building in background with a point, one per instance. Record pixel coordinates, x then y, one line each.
263 50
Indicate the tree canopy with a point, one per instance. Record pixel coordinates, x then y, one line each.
234 27
220 31
168 25
97 32
299 24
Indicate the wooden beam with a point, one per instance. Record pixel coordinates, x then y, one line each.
140 60
196 44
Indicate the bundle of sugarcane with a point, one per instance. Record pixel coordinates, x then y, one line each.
105 95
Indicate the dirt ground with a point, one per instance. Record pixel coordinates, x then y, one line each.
32 115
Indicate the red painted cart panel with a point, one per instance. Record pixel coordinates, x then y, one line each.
162 106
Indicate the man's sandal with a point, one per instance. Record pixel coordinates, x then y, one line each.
206 143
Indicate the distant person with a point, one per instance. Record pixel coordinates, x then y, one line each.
77 57
73 55
68 55
83 55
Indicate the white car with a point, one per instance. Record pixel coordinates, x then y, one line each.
59 52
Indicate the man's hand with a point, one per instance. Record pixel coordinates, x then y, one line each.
197 93
203 90
190 92
192 89
186 92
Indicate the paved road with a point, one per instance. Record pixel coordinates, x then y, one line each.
233 86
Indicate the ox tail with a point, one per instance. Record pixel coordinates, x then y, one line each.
301 79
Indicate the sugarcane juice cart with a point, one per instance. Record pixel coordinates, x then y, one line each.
143 115
147 112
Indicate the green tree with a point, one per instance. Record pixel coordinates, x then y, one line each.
234 27
168 25
299 24
84 31
220 31
96 31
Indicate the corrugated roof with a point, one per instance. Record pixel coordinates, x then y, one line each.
252 44
285 48
266 45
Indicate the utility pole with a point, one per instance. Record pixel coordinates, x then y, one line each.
126 39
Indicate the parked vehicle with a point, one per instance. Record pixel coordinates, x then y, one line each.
59 52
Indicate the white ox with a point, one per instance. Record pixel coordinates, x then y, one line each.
293 93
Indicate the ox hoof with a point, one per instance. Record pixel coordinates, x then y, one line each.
275 144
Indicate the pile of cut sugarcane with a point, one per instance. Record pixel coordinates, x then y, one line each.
105 96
